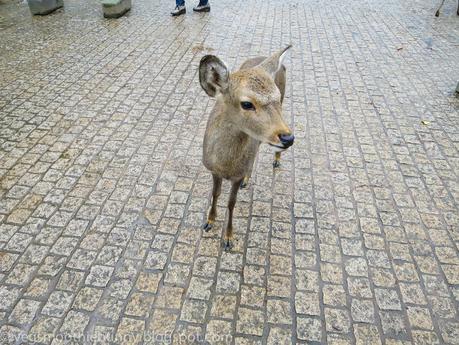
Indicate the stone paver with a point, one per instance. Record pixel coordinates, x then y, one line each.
354 240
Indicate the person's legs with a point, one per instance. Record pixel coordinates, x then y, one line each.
203 2
180 2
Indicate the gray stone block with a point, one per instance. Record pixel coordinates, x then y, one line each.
115 8
43 7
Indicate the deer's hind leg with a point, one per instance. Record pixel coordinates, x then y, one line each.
245 180
276 163
216 190
280 79
228 240
254 149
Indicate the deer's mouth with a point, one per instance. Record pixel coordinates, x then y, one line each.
278 148
285 141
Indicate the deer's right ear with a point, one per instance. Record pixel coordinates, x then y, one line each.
213 75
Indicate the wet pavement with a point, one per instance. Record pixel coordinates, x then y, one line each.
353 240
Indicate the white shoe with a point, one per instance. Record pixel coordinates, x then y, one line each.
202 8
178 10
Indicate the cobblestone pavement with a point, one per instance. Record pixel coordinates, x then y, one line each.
354 240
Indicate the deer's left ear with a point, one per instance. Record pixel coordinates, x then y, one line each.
274 62
213 75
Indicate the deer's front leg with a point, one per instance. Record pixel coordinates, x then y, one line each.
216 190
228 243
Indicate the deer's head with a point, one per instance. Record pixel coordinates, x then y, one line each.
251 97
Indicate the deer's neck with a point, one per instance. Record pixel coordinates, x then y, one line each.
228 151
230 134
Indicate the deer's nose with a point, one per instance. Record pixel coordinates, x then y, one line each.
287 139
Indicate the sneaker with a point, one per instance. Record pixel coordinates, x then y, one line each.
202 8
179 10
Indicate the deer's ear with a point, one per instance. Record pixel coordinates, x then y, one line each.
274 62
213 75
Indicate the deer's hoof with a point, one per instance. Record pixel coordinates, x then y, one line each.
243 185
228 245
437 13
276 164
206 227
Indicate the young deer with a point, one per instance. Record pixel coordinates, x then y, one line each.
247 112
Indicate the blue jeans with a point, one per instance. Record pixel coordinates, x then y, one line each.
182 2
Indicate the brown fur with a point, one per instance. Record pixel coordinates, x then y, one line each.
233 135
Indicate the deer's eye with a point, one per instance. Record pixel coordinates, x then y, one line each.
247 106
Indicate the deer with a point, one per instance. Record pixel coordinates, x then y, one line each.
247 112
